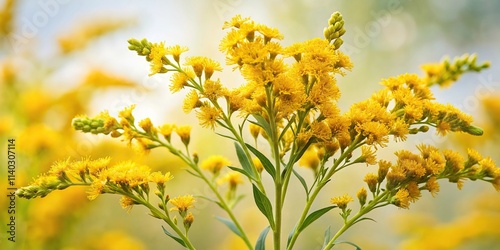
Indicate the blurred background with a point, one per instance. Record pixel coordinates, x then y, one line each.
61 58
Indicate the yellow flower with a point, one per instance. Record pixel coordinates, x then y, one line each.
375 133
176 51
290 95
127 203
318 57
235 22
473 157
182 203
179 80
368 155
372 181
268 32
413 191
432 185
157 57
454 161
400 130
233 178
402 198
159 178
79 37
166 130
215 163
147 126
96 189
184 132
126 114
254 130
341 201
188 220
258 164
127 173
191 101
310 159
208 116
321 131
361 194
100 78
383 168
213 90
488 167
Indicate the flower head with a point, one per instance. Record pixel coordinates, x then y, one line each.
341 201
182 203
215 163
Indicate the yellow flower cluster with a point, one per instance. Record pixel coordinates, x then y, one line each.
446 72
415 172
80 37
123 178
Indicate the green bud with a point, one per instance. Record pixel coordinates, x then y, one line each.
423 128
338 42
473 130
86 128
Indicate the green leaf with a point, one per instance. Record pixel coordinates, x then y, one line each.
349 243
244 161
226 136
328 237
179 240
263 204
234 202
230 225
302 181
261 121
261 241
314 216
288 125
290 235
268 166
364 218
242 171
193 173
210 200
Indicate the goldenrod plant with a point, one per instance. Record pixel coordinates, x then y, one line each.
285 114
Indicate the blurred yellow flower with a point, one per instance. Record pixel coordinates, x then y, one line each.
215 163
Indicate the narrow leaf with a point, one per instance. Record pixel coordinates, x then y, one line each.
242 171
349 243
261 121
226 136
244 161
364 218
261 241
290 235
263 204
210 200
192 173
268 166
230 225
302 181
328 237
285 129
179 240
314 216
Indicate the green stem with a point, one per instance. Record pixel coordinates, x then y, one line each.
157 213
349 223
226 208
319 187
273 140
